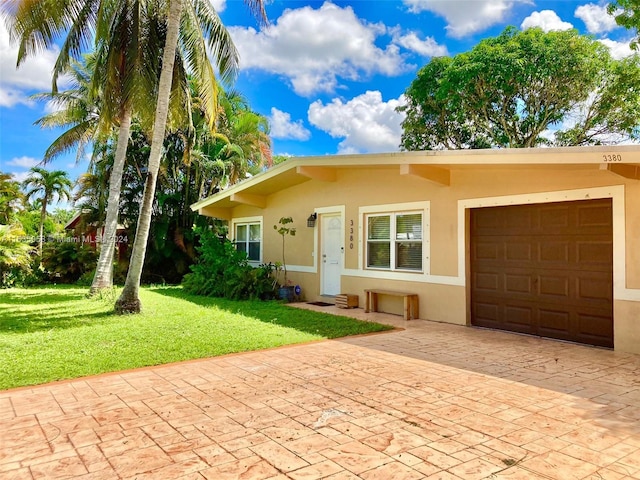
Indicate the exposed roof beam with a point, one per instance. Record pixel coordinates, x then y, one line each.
222 213
626 170
428 172
249 199
323 174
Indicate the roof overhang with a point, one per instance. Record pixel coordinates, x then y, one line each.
71 224
432 166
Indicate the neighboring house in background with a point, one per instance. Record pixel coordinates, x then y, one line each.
85 231
541 241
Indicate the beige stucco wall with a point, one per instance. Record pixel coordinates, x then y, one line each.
626 326
443 303
442 293
632 223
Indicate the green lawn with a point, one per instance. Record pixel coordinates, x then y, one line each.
55 333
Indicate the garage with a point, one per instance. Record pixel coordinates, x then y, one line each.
544 269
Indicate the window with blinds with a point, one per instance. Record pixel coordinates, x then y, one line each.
247 239
394 241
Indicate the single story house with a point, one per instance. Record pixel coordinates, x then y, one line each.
543 241
86 231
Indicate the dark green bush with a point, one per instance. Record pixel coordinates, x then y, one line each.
222 271
66 262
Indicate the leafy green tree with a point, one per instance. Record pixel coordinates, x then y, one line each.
627 13
10 198
611 111
15 254
47 186
203 23
29 218
512 90
435 116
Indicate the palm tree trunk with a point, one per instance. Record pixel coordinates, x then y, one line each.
103 278
43 215
129 301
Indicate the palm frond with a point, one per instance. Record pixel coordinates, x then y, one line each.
201 14
79 18
80 135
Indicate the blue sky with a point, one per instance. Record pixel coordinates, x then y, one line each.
328 75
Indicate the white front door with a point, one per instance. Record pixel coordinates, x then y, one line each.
331 253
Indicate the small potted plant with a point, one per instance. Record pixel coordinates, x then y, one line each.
284 228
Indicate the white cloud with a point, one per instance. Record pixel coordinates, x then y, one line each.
366 123
34 74
283 127
466 17
219 5
11 96
547 20
596 18
24 162
314 48
20 176
427 47
618 50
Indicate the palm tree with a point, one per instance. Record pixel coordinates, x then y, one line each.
37 24
46 185
200 21
246 135
76 110
124 71
238 144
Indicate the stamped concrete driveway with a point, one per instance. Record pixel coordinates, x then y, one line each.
432 401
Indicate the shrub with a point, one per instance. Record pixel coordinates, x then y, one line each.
66 262
15 255
222 271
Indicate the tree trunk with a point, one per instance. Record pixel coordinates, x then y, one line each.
43 215
103 278
129 301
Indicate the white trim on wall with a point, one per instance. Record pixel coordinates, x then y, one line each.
255 219
301 268
615 192
422 207
336 209
405 277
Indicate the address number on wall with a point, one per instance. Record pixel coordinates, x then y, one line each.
350 234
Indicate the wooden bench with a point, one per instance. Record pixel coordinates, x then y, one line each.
411 309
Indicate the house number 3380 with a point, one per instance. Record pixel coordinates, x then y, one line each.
612 157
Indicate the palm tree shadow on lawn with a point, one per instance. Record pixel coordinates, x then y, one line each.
53 313
275 313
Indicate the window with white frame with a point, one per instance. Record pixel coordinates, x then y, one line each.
247 238
394 241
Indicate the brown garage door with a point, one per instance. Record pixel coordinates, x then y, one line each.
544 269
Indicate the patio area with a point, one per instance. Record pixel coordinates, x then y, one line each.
429 400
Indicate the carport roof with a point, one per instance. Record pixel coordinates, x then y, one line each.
432 165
